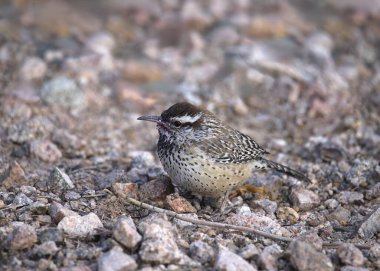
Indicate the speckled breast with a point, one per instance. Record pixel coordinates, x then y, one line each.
191 171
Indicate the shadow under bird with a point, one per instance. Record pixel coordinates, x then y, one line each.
204 156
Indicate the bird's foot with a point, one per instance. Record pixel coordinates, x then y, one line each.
253 189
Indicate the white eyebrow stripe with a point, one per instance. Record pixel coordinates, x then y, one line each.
188 118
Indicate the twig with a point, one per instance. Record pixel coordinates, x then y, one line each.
10 207
94 195
225 225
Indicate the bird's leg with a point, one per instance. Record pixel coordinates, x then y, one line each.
250 188
226 205
225 201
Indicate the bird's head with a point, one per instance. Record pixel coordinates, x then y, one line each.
180 122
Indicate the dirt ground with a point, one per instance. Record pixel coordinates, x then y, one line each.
300 77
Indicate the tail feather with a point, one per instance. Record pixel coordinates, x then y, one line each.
287 170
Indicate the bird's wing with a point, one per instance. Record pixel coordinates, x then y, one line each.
232 147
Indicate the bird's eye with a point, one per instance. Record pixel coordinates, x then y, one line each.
177 123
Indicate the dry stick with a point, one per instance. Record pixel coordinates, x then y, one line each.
226 226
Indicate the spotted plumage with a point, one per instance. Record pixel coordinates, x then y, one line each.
204 156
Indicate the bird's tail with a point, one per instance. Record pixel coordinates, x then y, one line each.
284 169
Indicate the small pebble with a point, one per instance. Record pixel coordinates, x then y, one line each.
201 252
47 248
304 199
288 214
249 252
22 199
33 68
340 215
350 255
45 150
331 204
116 259
58 212
125 232
179 204
350 197
63 91
59 180
80 226
72 195
159 243
22 237
371 225
304 257
38 127
228 261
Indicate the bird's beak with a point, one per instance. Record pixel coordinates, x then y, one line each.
156 119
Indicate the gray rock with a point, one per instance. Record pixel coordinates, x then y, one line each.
101 43
304 199
267 205
45 150
123 190
268 258
373 192
28 190
72 195
51 234
340 215
63 91
287 214
201 252
313 239
39 127
155 172
39 207
137 175
22 199
80 226
115 176
314 219
349 197
159 245
229 261
362 172
141 159
353 268
125 232
375 251
304 257
13 177
267 261
22 237
350 255
48 248
331 204
33 68
66 140
57 212
116 260
249 251
15 111
257 221
59 180
371 225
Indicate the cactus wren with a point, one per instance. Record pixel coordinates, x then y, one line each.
204 156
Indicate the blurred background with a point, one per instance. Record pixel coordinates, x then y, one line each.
294 75
300 77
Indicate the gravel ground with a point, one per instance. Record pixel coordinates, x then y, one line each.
300 77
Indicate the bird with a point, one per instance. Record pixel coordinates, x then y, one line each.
204 156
